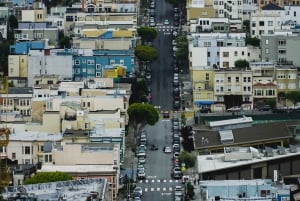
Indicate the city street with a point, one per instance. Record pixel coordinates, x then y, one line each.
162 72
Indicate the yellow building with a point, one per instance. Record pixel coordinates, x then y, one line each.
195 11
114 71
203 93
37 15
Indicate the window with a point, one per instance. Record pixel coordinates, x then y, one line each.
261 23
98 66
112 61
281 51
235 53
281 76
295 13
249 88
46 159
98 74
267 42
225 64
245 79
292 76
27 150
253 24
90 62
249 79
122 61
207 76
77 70
237 79
281 42
88 104
270 23
77 62
267 50
229 79
13 156
208 54
225 54
229 88
245 88
69 18
207 44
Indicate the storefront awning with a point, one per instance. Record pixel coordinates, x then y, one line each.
203 102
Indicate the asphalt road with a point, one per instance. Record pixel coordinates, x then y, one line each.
162 72
158 184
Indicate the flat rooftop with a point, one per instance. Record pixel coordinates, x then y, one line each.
214 162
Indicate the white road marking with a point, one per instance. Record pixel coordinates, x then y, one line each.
170 180
165 180
152 180
152 189
146 189
158 180
170 189
164 189
158 189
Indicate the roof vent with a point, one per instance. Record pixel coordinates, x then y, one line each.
226 137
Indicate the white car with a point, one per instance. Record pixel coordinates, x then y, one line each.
234 109
167 149
138 190
166 22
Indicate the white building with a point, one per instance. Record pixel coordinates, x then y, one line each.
217 49
40 63
266 21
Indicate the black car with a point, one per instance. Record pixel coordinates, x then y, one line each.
205 110
176 23
265 108
176 105
176 16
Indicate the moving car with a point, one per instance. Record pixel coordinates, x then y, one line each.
166 114
166 22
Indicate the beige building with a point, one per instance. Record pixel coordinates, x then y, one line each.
287 80
198 10
89 160
35 15
233 88
17 66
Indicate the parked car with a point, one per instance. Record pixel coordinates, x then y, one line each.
141 174
167 149
205 110
265 108
141 160
140 167
166 22
141 153
138 190
234 109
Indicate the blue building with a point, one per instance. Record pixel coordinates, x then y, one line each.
88 64
25 46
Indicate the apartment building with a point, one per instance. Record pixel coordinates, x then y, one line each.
4 15
264 83
287 80
281 48
233 88
218 50
203 93
97 39
266 21
199 9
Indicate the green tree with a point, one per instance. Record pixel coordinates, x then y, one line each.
183 119
45 177
63 41
293 96
139 92
141 114
246 24
147 33
252 41
188 159
241 63
145 53
189 191
12 25
182 53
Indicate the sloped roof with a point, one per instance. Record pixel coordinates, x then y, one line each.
271 6
122 33
256 133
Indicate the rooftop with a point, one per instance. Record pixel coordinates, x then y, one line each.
78 168
210 163
74 190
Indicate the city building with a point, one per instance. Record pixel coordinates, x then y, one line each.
93 160
257 189
233 88
266 21
199 9
280 48
94 188
4 15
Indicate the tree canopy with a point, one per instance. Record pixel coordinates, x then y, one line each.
188 159
45 177
241 63
141 114
293 96
139 92
145 53
182 53
252 41
63 41
147 33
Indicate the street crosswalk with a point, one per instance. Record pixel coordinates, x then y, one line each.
165 186
159 181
